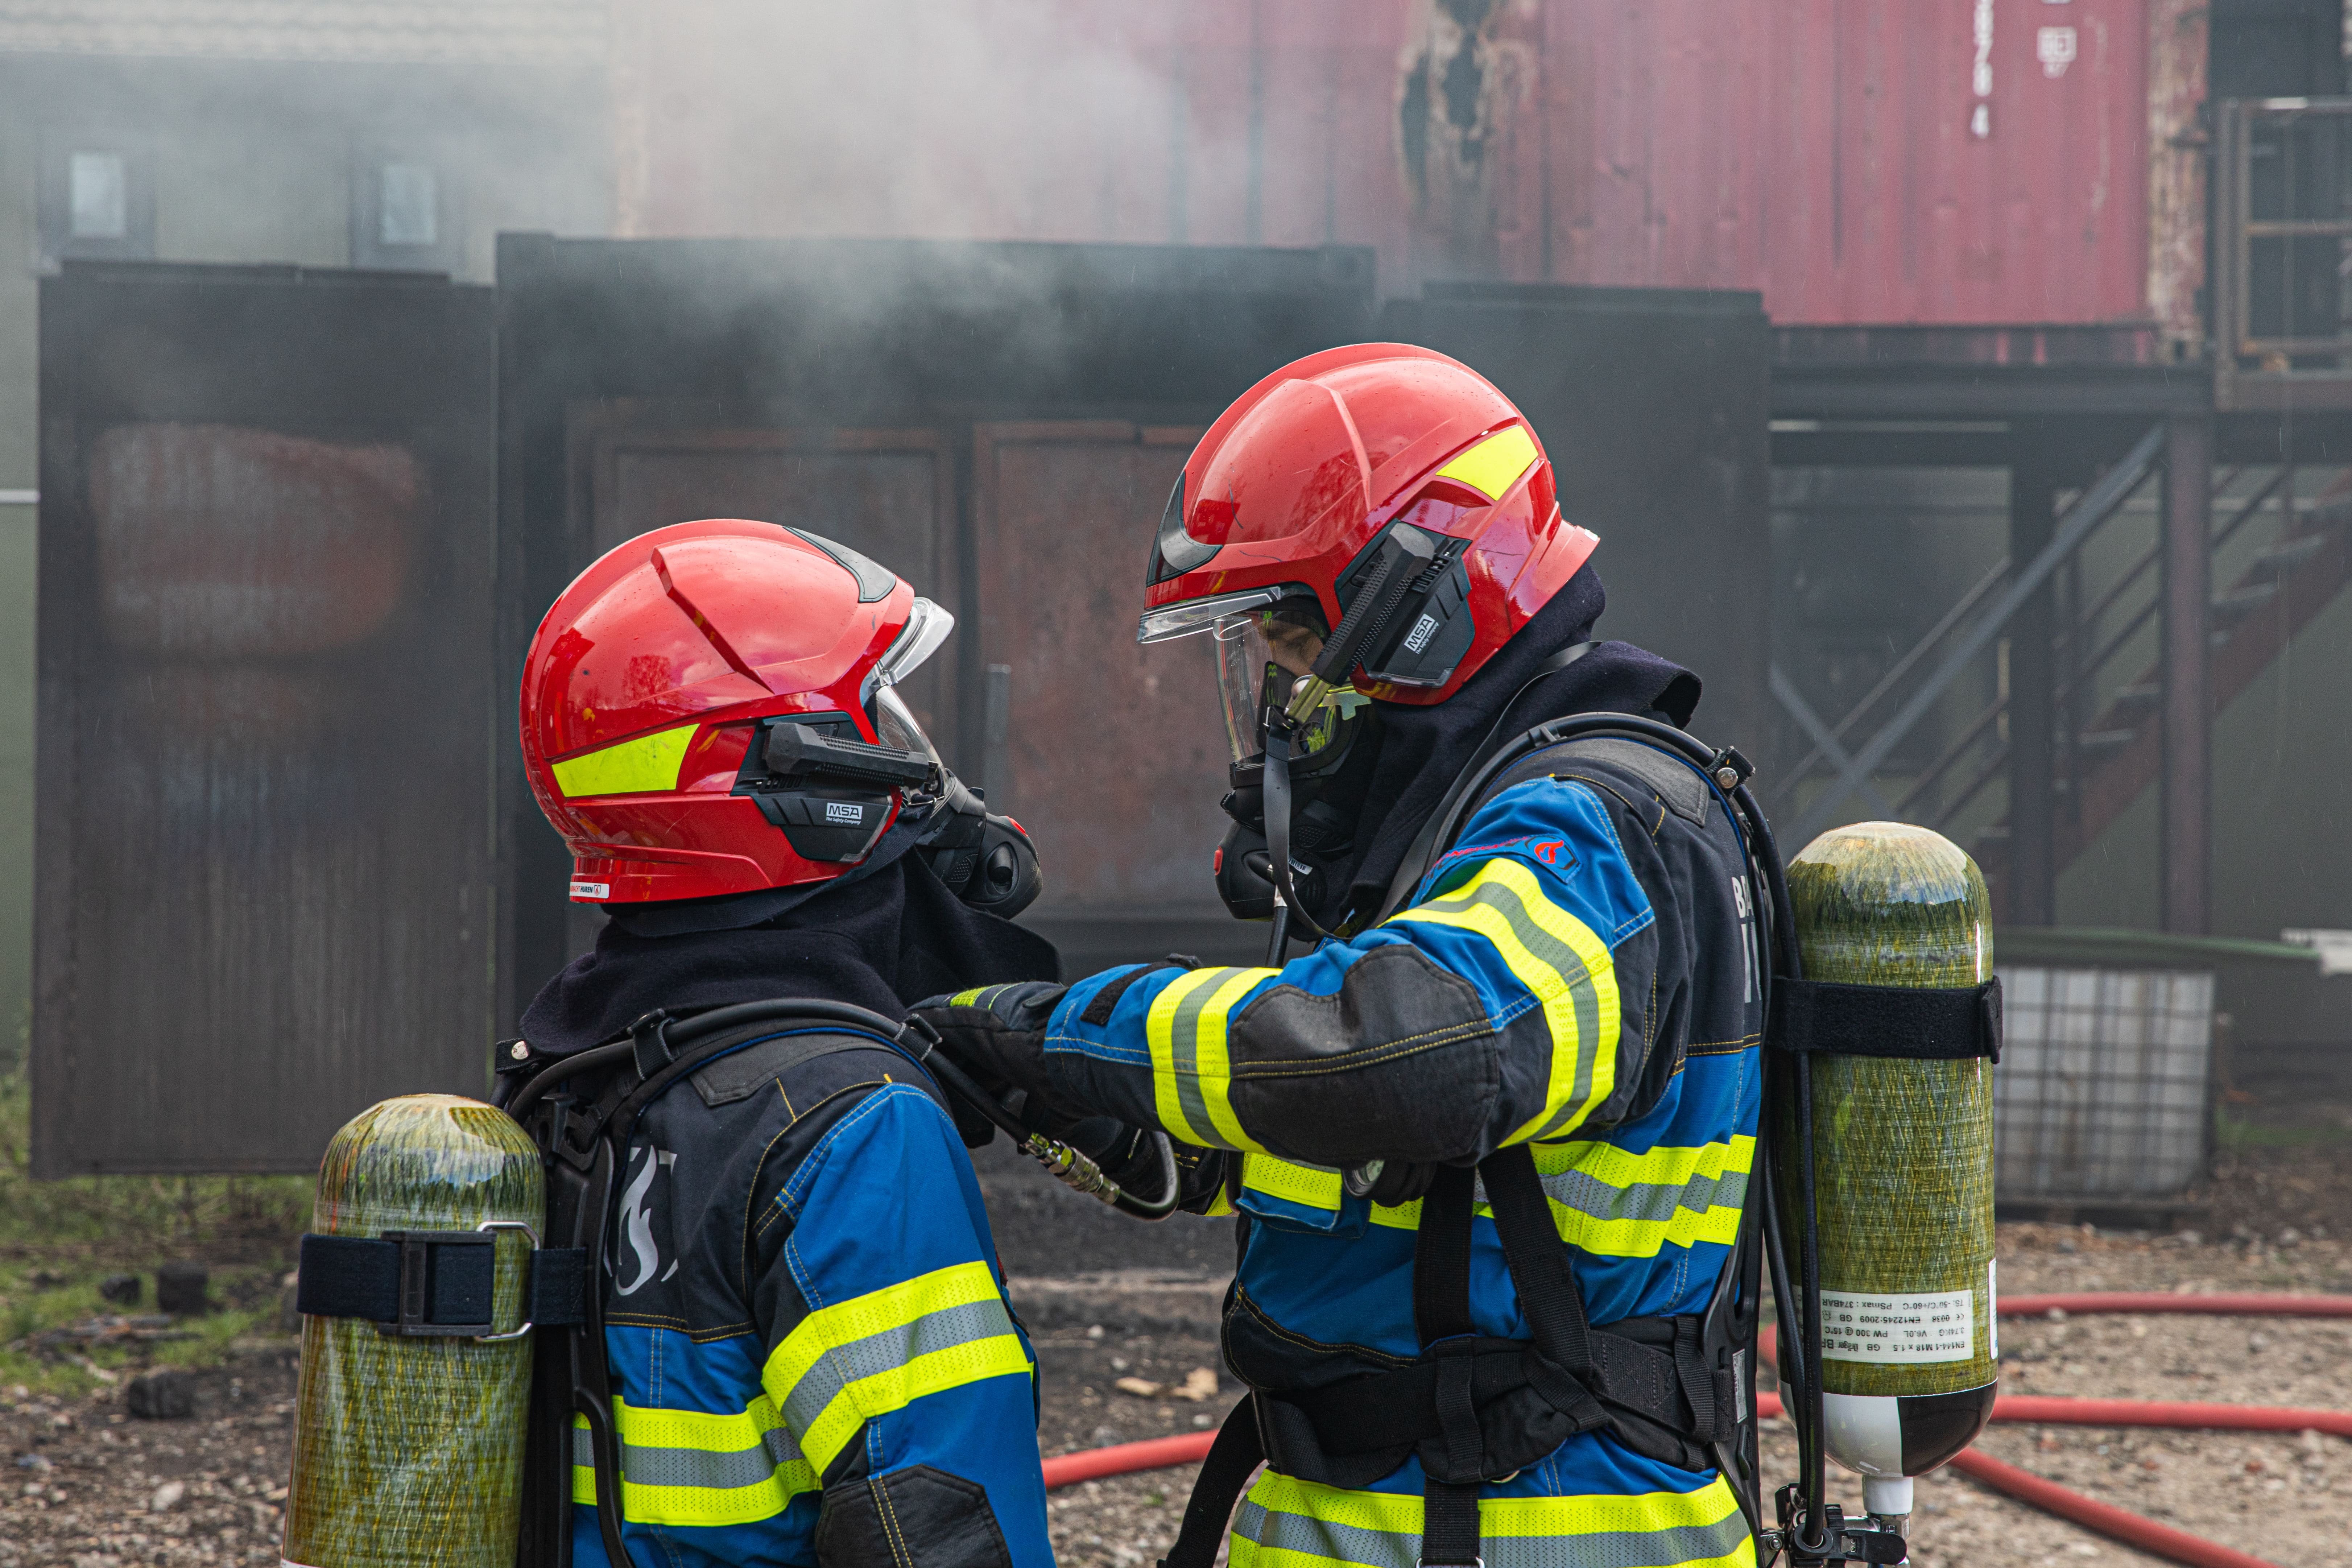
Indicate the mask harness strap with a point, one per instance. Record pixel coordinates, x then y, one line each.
1401 581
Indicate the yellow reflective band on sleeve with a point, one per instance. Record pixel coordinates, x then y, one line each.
646 765
1192 1069
1613 1202
1310 1186
844 1365
1285 1522
1567 968
1617 1204
1492 466
693 1467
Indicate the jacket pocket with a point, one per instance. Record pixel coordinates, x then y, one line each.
915 1518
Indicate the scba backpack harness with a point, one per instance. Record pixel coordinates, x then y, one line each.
1477 1409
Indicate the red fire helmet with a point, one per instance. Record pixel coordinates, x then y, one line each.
1293 484
652 675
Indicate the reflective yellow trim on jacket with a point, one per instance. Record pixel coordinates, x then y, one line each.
1616 1204
693 1467
1192 1070
1285 1522
1311 1186
1567 969
844 1365
646 765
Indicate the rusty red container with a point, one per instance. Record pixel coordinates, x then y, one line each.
1947 162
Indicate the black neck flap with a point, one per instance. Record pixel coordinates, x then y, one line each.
1422 749
885 943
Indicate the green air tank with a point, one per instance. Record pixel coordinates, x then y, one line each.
409 1451
1904 1163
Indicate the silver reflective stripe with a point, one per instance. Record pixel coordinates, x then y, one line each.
1285 1531
648 1467
1184 1049
844 1364
1322 1538
1645 1200
1505 901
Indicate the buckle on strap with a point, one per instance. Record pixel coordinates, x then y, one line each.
436 1284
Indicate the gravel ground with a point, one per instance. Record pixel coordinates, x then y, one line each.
89 1485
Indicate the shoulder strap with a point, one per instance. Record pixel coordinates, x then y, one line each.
1677 780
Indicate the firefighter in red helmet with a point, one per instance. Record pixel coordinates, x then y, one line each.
799 1349
1489 1141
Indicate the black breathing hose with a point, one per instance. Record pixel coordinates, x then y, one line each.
1277 785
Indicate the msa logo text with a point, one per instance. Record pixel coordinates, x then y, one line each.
848 811
1422 630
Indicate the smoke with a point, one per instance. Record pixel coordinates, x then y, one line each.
1287 123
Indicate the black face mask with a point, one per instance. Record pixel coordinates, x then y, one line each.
819 785
1327 791
984 859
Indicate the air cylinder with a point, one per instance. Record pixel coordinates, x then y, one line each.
1904 1163
409 1451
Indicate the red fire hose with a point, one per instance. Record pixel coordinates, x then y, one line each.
2116 1523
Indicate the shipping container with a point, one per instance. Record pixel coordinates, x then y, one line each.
1947 162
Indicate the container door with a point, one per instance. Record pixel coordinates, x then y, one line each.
888 494
266 874
1113 756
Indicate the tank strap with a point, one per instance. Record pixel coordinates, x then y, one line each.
1912 1023
435 1284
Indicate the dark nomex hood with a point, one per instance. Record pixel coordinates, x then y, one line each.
884 942
1425 748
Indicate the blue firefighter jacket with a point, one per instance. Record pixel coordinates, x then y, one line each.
1577 973
813 1360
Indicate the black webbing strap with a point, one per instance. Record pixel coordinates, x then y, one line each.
1538 1260
1449 1524
1912 1023
1441 1316
1233 1458
433 1283
1441 1258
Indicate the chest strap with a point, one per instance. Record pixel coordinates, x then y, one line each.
1478 1408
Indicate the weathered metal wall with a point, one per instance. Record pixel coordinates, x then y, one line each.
265 880
1015 415
1857 161
1056 391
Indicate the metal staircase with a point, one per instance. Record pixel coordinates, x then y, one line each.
2282 551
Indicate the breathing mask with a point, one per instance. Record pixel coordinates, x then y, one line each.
830 792
1261 655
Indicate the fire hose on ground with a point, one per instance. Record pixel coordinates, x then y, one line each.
2119 1524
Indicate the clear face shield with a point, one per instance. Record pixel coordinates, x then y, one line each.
895 725
1264 641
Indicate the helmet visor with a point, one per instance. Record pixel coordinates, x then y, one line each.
896 725
1261 655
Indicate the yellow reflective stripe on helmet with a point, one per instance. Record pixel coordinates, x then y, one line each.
1616 1204
646 765
1192 1070
844 1365
1312 1186
1285 1522
1492 466
1567 969
695 1468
